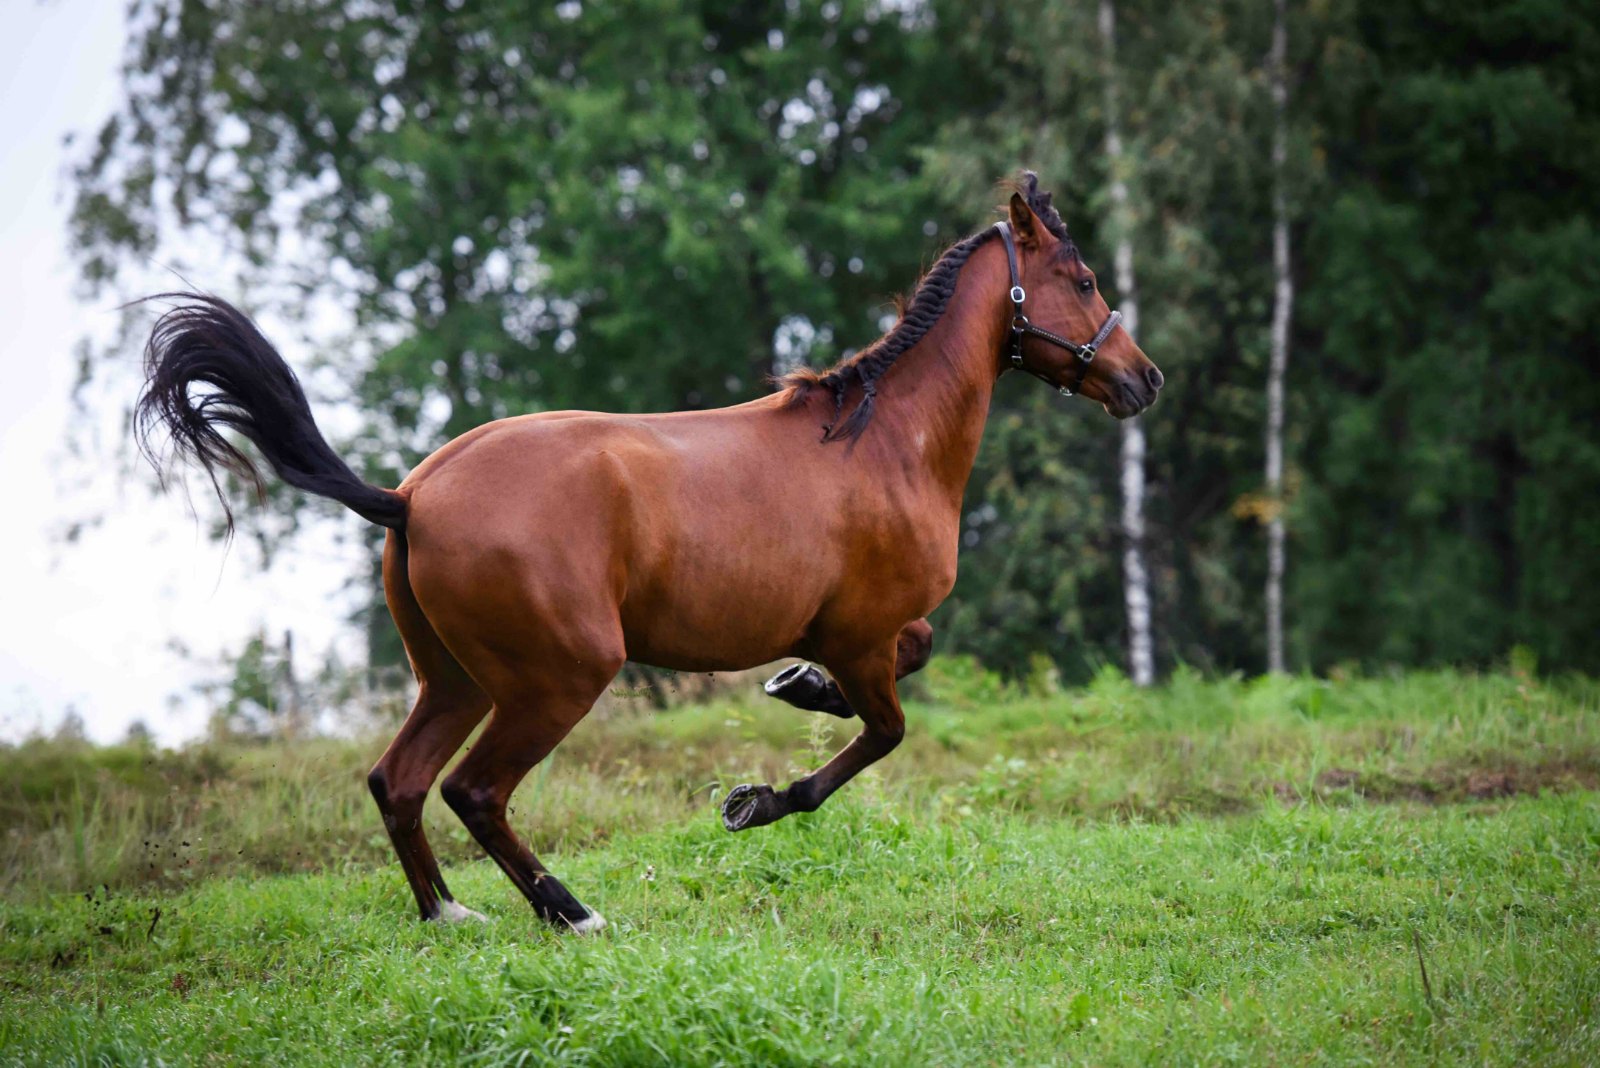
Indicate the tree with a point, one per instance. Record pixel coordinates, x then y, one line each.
1451 479
71 730
1282 309
1044 537
261 696
1135 575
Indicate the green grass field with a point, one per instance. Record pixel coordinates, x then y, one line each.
1381 871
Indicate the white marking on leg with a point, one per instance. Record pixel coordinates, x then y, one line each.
593 923
455 912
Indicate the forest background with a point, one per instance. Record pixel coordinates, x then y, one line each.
656 205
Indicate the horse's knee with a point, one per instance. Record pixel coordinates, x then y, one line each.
885 736
913 648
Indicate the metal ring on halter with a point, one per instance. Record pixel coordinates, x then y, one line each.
1018 295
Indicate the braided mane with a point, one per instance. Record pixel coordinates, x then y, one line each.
917 316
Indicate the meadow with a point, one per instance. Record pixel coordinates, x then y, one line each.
1384 870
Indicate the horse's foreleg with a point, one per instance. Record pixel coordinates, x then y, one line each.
868 685
806 687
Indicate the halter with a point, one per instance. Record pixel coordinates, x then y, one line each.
1021 327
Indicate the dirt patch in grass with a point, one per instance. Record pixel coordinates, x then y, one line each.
1446 785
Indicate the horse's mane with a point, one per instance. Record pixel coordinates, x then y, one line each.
917 316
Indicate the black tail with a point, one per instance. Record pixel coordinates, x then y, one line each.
207 342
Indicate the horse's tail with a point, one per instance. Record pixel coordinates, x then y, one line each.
207 342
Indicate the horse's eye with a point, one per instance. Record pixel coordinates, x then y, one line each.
1086 286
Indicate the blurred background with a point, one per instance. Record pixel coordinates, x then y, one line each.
1376 220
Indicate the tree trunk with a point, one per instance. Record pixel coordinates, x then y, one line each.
1135 575
1282 307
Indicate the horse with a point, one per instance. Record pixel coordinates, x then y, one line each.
528 558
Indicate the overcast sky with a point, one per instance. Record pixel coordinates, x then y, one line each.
91 626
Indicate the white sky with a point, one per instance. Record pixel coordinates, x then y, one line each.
91 625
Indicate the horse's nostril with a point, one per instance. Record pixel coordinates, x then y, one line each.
1153 376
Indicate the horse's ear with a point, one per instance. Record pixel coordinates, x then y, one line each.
1023 222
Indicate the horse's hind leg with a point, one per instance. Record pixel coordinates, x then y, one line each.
440 721
532 713
868 684
806 687
449 704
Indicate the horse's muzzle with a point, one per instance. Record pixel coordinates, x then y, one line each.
1131 394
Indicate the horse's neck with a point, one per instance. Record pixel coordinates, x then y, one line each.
938 399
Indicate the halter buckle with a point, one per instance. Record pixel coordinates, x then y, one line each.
1086 354
1018 295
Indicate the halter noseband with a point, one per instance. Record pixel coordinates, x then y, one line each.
1021 327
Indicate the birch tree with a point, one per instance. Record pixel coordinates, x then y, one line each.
1135 573
1282 308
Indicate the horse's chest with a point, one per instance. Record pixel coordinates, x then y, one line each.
917 562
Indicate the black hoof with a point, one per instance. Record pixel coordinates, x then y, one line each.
803 686
752 806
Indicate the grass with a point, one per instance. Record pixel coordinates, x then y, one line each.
1201 874
77 817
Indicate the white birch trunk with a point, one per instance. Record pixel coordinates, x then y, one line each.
1282 308
1135 575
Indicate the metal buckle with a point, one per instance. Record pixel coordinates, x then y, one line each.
1086 354
1065 392
1017 295
1019 326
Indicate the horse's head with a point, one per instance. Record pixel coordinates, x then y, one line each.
1063 332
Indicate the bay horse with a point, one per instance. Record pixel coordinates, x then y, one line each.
528 558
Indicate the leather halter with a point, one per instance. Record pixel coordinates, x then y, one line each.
1021 327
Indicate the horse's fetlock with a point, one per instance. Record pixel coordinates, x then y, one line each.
803 797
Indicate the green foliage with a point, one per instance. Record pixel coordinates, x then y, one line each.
1451 460
654 204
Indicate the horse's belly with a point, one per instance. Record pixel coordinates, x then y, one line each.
738 619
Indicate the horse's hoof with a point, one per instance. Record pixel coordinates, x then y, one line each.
804 686
751 806
799 684
455 912
593 923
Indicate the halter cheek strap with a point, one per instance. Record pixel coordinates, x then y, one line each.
1021 327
